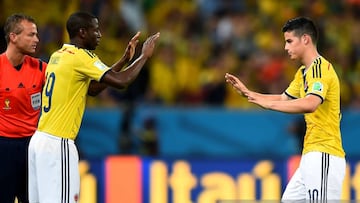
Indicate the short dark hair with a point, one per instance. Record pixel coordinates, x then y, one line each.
300 26
78 20
12 24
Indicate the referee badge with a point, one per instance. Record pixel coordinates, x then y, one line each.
36 100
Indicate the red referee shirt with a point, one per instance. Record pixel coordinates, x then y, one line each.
20 96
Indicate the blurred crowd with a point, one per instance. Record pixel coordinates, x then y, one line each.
201 40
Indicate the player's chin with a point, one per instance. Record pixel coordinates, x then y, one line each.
292 57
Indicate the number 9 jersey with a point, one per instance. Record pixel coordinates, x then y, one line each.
68 76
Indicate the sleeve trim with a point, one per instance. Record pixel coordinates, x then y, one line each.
292 97
100 79
322 99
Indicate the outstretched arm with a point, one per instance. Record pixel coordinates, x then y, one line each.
307 104
276 102
96 87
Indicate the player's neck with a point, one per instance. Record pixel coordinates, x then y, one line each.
309 58
15 57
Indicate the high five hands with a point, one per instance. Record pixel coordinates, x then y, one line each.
148 46
130 49
252 96
237 84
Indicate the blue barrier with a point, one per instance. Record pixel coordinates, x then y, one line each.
205 132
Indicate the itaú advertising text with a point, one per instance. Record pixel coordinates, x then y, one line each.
144 180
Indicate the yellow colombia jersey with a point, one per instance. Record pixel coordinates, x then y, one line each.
68 76
323 125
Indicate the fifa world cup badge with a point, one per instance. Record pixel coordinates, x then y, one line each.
318 87
7 104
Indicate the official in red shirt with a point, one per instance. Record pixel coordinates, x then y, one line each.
21 81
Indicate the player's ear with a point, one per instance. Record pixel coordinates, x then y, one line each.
82 32
306 39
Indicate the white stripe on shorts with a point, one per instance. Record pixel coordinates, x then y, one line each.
65 192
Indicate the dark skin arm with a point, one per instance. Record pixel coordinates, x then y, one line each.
96 87
123 78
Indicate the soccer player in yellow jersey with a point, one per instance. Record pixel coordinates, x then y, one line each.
314 92
73 72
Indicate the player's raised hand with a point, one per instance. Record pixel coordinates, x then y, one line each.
130 49
149 45
237 84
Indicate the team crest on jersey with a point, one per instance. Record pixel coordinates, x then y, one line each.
36 100
100 65
7 104
317 86
76 197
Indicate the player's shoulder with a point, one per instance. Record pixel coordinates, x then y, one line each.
323 63
89 54
322 68
80 51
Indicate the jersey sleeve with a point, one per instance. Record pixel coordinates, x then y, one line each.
319 80
93 67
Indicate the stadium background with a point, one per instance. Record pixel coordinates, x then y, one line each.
179 117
